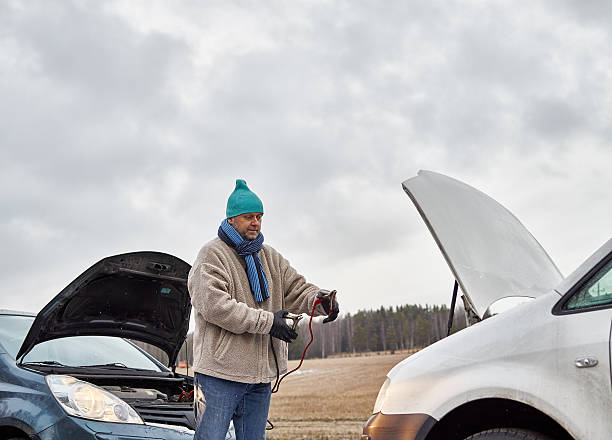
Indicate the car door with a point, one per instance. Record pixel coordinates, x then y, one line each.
583 357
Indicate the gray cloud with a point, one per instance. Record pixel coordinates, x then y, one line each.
554 118
79 46
125 126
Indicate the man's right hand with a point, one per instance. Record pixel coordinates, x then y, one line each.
280 329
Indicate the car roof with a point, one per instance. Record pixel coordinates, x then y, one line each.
16 313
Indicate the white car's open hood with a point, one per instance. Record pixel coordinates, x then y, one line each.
491 254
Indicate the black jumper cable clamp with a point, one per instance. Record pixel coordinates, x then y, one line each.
294 318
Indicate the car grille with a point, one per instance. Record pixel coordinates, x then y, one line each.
180 414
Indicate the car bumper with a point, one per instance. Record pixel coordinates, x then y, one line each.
74 428
393 426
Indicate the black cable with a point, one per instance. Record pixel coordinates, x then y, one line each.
276 383
276 363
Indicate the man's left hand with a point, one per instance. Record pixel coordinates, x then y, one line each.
334 309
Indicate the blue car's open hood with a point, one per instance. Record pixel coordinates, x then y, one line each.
139 295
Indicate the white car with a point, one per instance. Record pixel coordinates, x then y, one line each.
539 370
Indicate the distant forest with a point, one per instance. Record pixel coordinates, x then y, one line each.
384 329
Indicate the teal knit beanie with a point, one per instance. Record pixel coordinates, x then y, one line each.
242 200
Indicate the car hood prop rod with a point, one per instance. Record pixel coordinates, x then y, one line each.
452 308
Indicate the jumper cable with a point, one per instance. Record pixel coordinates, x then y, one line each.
331 295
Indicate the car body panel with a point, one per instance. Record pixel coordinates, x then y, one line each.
73 427
24 396
490 252
139 295
526 355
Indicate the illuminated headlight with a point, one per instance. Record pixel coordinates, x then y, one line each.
382 394
82 399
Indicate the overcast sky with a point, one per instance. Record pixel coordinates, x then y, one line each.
123 126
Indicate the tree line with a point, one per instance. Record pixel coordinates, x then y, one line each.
384 329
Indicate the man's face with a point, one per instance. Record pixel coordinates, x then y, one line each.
247 225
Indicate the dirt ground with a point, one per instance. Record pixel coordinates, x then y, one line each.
329 399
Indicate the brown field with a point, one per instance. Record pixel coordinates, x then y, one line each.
329 399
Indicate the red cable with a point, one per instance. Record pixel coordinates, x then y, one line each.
318 301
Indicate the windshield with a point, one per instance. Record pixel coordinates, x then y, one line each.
75 351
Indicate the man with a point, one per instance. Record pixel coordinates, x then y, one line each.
240 291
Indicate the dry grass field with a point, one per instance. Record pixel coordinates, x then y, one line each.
329 399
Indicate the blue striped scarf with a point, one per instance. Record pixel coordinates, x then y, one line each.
248 250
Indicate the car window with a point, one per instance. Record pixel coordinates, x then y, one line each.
13 330
596 292
80 351
72 351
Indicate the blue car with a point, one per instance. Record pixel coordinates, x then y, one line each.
72 372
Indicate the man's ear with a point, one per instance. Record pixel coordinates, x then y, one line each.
231 221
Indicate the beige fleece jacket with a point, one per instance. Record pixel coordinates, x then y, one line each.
231 339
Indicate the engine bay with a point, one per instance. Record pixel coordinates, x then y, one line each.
161 400
164 398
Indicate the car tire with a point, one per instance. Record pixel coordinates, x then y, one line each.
508 434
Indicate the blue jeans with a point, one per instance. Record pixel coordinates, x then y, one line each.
217 401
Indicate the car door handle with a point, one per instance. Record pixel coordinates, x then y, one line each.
586 362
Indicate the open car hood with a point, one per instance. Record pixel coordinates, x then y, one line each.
139 295
491 254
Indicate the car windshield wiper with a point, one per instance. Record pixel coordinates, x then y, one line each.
46 363
112 365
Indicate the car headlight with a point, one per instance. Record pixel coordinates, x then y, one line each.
382 394
82 399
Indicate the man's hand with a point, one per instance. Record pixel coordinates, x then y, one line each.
280 329
333 307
